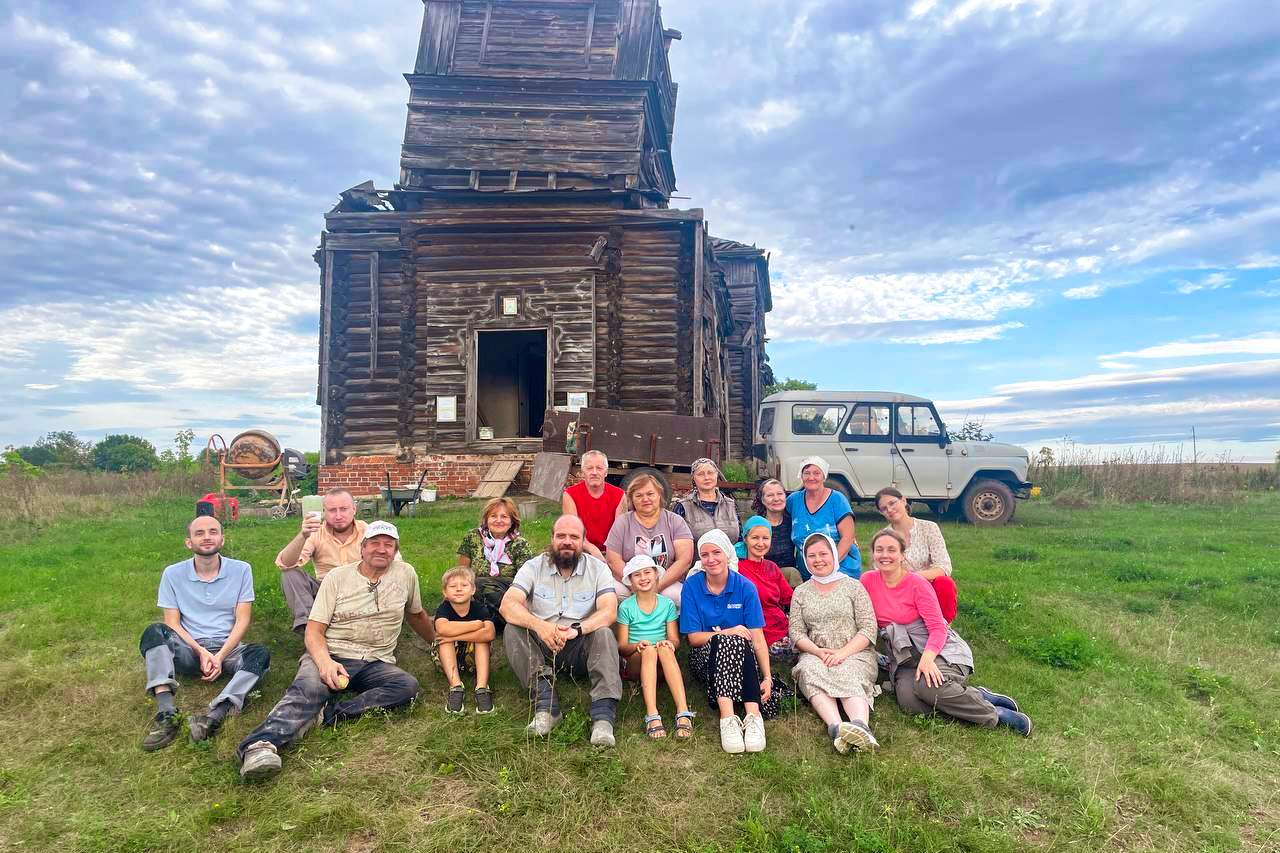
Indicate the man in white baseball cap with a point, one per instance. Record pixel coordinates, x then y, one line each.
351 641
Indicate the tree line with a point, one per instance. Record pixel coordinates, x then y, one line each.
121 453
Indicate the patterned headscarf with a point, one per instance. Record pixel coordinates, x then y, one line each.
698 463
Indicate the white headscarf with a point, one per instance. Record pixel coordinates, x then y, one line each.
836 574
822 464
716 537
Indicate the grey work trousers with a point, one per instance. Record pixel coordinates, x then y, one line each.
376 684
954 698
300 591
167 656
593 656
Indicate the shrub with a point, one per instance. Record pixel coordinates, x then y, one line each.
1064 650
124 453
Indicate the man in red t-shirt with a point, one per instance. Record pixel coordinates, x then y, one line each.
594 501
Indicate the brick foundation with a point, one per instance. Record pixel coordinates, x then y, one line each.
453 475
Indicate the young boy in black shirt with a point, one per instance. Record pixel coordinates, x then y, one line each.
464 629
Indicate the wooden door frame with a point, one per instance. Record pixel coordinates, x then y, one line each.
473 368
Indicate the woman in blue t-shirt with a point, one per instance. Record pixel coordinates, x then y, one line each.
818 509
720 615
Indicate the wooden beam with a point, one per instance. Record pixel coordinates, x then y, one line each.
699 401
373 313
326 333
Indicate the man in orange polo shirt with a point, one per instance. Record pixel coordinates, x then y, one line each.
327 542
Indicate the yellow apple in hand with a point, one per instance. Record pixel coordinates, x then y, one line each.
342 681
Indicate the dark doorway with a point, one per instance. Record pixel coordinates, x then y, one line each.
511 382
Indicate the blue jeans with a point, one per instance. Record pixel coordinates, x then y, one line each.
376 684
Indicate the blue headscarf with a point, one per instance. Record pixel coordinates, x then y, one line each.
753 521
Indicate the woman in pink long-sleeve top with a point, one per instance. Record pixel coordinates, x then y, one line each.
929 663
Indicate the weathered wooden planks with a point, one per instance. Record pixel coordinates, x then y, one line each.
535 167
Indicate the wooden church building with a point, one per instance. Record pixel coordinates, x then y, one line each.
527 257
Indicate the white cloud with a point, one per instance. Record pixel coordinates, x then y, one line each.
1266 344
16 165
39 386
1260 260
206 342
119 38
958 336
1165 376
1089 291
773 114
1213 281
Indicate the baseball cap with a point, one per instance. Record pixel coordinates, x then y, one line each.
381 528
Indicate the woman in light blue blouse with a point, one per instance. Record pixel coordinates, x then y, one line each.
819 509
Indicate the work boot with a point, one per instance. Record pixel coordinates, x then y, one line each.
602 734
163 731
261 761
204 726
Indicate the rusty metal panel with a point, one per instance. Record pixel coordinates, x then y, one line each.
648 438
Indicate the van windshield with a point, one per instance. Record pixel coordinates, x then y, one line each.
766 421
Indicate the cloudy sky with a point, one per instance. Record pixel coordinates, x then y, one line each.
1061 218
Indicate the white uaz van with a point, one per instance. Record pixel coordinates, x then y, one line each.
873 439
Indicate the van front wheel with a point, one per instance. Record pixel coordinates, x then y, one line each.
988 503
839 486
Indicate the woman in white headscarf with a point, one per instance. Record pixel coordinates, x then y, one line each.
816 508
720 615
833 626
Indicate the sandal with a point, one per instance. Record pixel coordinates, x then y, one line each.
684 724
653 727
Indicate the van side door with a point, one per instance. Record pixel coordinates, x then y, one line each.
921 459
867 443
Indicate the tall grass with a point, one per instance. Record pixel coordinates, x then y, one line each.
28 499
1078 476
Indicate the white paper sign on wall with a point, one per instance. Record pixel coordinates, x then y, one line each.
446 409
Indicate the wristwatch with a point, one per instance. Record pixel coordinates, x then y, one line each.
577 626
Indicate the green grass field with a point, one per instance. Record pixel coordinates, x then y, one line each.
1143 640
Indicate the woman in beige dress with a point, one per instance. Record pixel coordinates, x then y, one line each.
833 627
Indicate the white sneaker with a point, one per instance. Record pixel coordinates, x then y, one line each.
602 733
753 733
261 761
854 736
731 735
543 723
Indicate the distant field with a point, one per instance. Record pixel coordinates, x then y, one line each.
1144 641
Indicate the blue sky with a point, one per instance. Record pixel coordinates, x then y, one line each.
1061 218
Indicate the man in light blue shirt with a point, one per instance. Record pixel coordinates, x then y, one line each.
207 602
